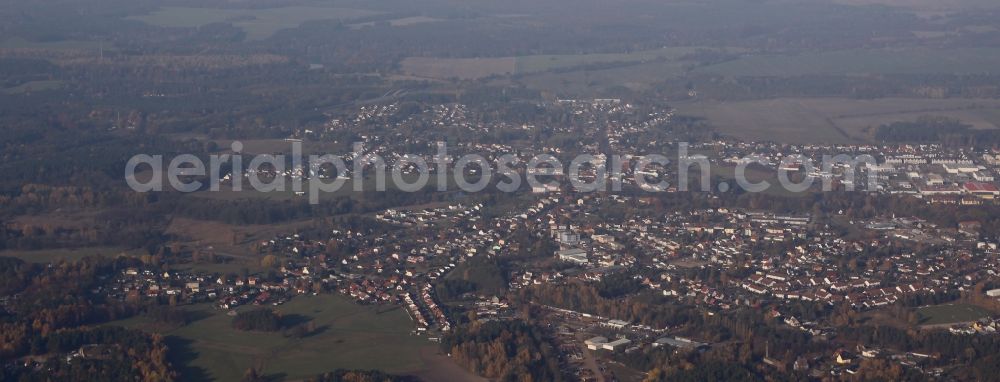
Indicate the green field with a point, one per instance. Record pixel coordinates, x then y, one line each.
542 63
832 120
258 23
349 336
950 314
33 86
400 22
883 61
644 64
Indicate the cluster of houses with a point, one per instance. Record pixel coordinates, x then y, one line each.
983 326
808 270
429 216
226 292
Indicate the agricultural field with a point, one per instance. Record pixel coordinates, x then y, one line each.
461 68
832 120
257 23
543 63
950 314
227 237
348 336
33 86
400 22
471 68
846 62
604 82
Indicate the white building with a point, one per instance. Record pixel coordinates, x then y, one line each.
573 255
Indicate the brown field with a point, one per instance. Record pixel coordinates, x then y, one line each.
257 23
228 238
597 83
832 120
438 367
461 68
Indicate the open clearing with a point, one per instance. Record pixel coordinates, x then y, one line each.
400 22
201 233
601 83
883 61
950 314
348 336
258 23
33 86
832 120
461 68
541 63
472 68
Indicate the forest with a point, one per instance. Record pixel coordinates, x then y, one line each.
504 350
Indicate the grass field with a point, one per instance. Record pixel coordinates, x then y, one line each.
832 120
258 23
461 68
220 236
33 86
542 63
349 336
602 82
471 68
904 61
400 22
950 314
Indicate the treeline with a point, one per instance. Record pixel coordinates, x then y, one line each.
260 320
705 371
116 227
108 354
44 299
257 211
618 285
341 375
930 129
504 350
484 276
979 352
587 299
453 289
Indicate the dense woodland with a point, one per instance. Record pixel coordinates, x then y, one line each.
586 298
260 320
360 376
504 350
